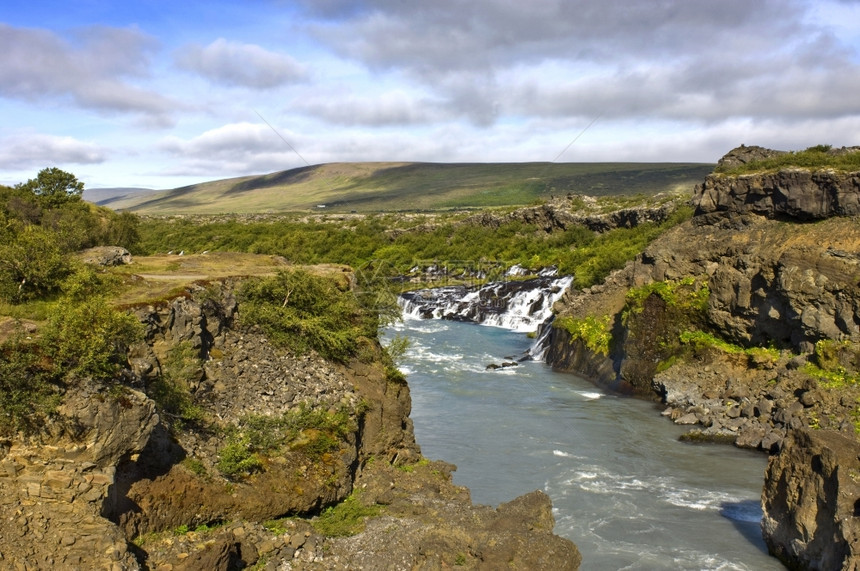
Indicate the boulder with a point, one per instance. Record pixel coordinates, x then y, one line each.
106 256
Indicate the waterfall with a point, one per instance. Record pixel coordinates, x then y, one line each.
518 305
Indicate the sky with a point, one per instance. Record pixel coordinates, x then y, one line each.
160 94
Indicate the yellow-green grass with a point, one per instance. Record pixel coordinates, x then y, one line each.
366 187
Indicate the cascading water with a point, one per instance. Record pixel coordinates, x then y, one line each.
523 306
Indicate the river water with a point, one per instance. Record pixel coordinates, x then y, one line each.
624 489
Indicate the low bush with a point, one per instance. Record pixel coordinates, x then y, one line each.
303 311
28 392
346 518
594 332
88 338
237 456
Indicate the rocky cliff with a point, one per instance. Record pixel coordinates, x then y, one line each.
214 436
797 193
810 501
745 322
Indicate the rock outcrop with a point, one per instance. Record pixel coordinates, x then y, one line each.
778 257
53 489
575 210
131 474
811 501
105 256
795 193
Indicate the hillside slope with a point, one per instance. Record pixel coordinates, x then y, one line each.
413 186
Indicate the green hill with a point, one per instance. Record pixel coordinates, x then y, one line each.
368 187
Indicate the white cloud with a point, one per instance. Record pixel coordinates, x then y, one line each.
92 69
397 107
689 59
238 64
232 150
37 151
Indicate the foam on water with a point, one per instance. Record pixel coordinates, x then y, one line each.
623 488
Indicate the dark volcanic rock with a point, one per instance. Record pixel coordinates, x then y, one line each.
810 500
797 193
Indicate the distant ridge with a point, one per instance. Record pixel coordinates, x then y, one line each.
364 187
105 195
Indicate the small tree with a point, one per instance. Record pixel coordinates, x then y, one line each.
31 264
54 187
88 338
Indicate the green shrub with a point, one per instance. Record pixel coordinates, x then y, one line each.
88 338
303 311
346 518
32 264
594 332
27 391
237 456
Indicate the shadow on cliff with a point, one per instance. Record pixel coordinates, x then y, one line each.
745 515
156 459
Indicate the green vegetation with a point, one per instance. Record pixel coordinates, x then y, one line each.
819 157
88 338
396 245
655 315
836 364
346 518
42 222
684 296
302 311
701 340
171 390
595 332
377 187
28 389
237 456
82 337
314 432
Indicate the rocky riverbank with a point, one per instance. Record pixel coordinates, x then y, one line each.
220 450
745 322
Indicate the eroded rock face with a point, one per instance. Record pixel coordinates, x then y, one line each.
437 527
243 374
53 489
790 285
774 279
795 193
810 500
108 469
